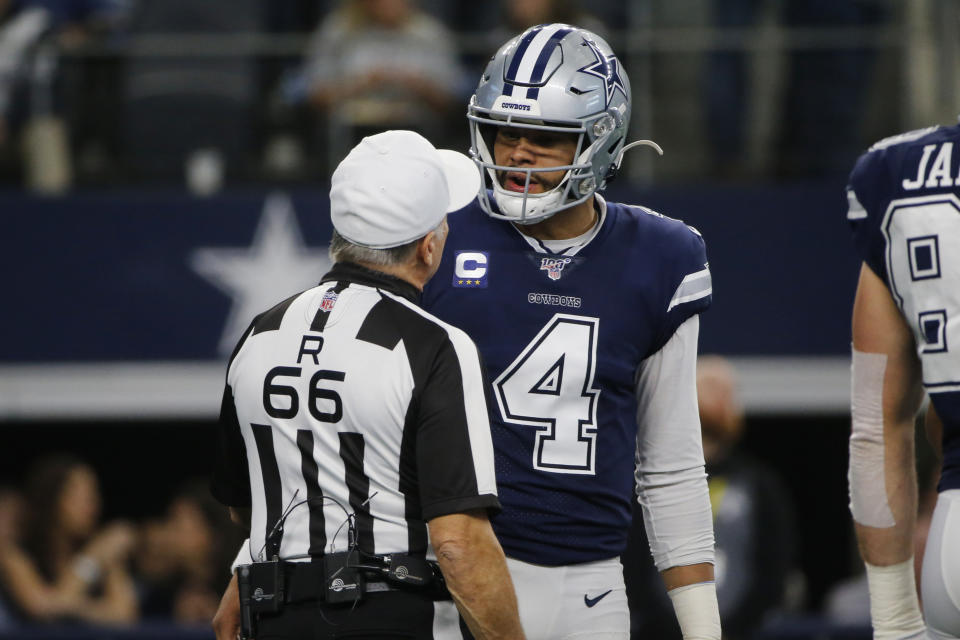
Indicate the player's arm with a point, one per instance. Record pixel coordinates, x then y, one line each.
475 569
933 426
230 484
672 483
887 393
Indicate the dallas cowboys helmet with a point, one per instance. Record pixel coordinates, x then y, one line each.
552 77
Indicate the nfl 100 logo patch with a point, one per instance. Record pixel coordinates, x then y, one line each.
554 266
470 269
329 299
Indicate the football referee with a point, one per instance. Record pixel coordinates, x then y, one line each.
354 439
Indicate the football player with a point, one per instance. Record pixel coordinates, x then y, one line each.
904 208
586 314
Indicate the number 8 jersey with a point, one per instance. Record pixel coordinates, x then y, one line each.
564 333
904 207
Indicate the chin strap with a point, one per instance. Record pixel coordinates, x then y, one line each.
648 143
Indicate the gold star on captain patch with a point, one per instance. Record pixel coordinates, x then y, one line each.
459 281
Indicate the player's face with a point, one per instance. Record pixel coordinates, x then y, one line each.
532 149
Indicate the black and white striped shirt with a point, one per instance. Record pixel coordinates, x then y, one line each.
351 396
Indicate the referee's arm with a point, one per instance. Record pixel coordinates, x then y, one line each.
231 485
475 569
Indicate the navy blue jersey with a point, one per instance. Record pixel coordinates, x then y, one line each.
904 197
562 337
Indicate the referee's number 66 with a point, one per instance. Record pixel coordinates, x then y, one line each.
274 394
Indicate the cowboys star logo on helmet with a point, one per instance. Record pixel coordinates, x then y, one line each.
556 78
606 68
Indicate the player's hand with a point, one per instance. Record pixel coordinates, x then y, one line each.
226 622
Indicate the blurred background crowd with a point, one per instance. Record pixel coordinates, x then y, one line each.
105 519
131 92
60 562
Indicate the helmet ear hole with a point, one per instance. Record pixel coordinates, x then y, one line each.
612 173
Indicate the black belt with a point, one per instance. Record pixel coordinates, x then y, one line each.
333 579
313 580
305 581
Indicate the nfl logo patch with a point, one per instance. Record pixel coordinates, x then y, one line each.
554 266
329 299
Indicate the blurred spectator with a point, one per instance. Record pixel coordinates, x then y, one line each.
515 17
188 110
33 33
827 90
184 559
68 567
381 64
752 511
753 520
819 109
729 95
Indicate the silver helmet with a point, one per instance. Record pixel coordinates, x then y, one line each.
552 77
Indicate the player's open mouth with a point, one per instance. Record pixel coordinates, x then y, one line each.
516 181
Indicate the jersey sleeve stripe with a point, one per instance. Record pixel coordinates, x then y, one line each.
693 287
855 210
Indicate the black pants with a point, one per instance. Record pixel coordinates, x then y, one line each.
390 615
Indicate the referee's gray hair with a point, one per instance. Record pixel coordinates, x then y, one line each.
342 250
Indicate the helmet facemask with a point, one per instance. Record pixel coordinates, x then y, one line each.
578 184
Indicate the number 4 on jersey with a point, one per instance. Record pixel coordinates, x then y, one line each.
550 386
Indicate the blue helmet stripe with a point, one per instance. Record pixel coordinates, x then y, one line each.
519 53
537 76
545 54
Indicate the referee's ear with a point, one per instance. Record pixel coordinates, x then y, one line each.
430 248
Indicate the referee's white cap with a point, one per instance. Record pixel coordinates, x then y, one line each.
394 187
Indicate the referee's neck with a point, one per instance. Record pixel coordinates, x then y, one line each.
406 272
421 264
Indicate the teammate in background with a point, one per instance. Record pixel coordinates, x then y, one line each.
904 207
354 430
586 314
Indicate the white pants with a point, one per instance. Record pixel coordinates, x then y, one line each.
446 621
940 580
582 601
578 601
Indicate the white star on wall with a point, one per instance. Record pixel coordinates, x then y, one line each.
275 266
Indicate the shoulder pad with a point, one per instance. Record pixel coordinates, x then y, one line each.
909 136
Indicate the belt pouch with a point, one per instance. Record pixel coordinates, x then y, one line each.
343 581
261 586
